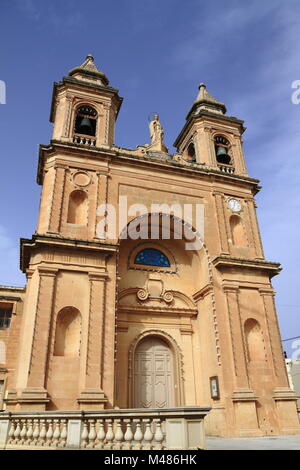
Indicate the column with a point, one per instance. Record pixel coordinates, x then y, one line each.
57 200
237 342
222 222
243 397
35 394
93 396
255 229
101 197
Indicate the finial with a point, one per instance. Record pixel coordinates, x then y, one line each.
206 101
90 56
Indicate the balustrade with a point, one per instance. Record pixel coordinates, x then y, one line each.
226 168
108 429
84 140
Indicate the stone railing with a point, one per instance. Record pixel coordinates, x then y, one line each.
84 140
131 429
226 168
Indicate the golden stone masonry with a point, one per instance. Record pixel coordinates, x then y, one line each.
109 323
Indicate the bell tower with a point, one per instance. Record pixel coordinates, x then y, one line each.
213 137
67 343
84 107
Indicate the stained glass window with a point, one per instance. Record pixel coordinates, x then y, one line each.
152 257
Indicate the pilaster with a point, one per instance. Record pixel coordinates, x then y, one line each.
35 393
93 396
255 229
222 224
237 342
57 200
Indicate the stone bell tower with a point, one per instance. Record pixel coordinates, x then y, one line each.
67 338
203 135
252 371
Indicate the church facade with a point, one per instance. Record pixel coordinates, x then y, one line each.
147 285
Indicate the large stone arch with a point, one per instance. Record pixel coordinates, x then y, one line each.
203 257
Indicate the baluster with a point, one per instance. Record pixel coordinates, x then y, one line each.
128 435
158 436
92 434
36 432
148 436
29 432
23 431
43 432
56 434
138 435
119 435
49 434
109 435
85 434
64 434
11 432
17 432
100 435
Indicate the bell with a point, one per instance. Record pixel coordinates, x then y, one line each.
85 126
221 151
222 155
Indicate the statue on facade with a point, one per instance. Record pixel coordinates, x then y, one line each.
156 135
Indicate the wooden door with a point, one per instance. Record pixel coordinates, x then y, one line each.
153 375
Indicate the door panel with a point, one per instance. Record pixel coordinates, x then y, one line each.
153 375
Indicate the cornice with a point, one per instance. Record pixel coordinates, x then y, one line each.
82 84
204 113
206 290
223 262
166 163
155 310
38 241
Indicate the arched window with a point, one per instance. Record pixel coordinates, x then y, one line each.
151 257
77 210
237 231
190 153
254 339
85 122
222 150
68 331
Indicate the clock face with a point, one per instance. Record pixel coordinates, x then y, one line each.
234 205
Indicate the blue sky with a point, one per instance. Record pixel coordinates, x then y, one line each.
156 53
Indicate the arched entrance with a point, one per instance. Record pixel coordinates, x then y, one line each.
153 374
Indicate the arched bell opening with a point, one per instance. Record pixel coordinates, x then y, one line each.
190 153
86 121
222 150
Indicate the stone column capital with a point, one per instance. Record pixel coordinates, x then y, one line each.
46 271
98 276
233 288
